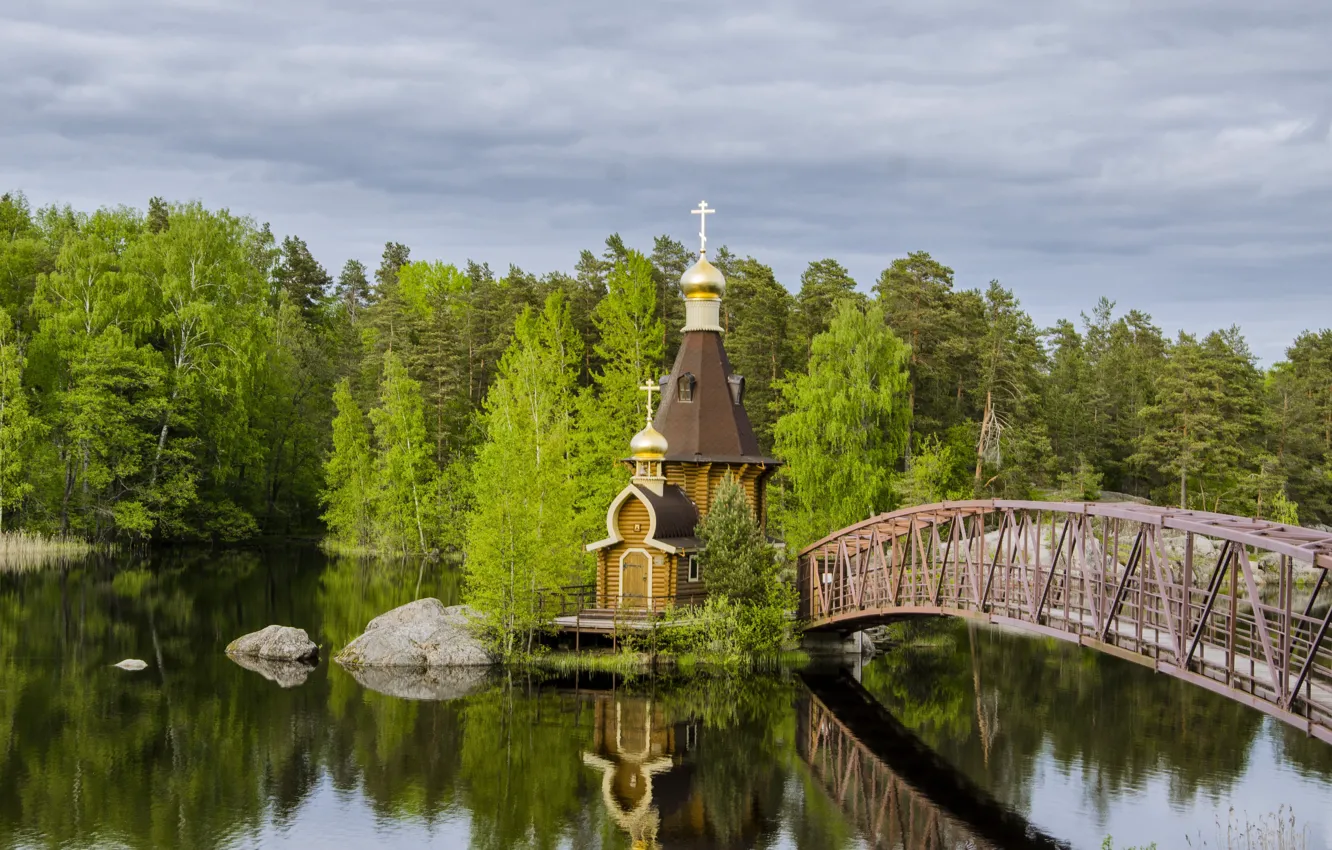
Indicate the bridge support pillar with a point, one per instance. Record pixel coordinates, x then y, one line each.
834 644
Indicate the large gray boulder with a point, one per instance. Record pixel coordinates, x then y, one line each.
278 643
419 634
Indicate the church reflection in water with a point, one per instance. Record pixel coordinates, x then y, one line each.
647 765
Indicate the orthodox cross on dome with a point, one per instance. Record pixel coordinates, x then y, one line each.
703 212
650 388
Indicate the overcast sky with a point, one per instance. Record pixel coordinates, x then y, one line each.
1174 155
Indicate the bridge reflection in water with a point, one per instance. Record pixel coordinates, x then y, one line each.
896 790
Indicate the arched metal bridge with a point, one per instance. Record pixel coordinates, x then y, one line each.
1231 604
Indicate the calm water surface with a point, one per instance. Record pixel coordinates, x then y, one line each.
198 752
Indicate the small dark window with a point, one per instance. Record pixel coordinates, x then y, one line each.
737 385
684 388
693 568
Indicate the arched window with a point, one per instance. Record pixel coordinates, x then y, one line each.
684 388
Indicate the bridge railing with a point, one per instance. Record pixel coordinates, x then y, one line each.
1220 601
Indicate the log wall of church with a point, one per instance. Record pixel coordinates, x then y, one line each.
633 523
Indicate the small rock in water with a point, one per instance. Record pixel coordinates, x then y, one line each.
279 643
132 664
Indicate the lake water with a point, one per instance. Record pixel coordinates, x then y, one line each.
978 730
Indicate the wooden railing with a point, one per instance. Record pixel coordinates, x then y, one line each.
573 599
1181 591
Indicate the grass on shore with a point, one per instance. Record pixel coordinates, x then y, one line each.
338 549
20 550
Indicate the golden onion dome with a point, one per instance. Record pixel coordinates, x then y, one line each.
648 444
703 281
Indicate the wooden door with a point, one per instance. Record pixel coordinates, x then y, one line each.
634 580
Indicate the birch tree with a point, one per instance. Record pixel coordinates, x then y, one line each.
847 425
521 533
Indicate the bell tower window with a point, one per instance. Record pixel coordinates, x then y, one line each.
684 388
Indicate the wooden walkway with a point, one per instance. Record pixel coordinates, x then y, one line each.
1207 598
606 621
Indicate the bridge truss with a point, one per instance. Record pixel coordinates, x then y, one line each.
1207 598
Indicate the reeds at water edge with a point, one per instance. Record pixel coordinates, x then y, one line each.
21 550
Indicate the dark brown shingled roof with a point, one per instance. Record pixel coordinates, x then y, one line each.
711 427
676 514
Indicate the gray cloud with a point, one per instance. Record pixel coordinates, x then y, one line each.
1174 155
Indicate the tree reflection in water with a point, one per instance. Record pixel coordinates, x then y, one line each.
198 752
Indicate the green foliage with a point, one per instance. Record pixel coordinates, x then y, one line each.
17 427
846 427
725 633
737 561
170 375
918 302
823 285
1082 484
521 533
936 472
611 410
403 464
349 473
1208 409
762 330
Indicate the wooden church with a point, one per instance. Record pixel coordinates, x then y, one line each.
649 557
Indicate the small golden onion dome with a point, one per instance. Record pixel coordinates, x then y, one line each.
703 281
648 444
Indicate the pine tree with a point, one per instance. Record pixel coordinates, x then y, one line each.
611 410
916 293
1012 441
396 255
670 260
301 276
521 533
403 464
822 285
846 426
159 215
737 561
1125 356
1202 428
759 317
349 474
1299 401
353 288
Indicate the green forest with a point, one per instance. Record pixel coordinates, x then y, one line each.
184 374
